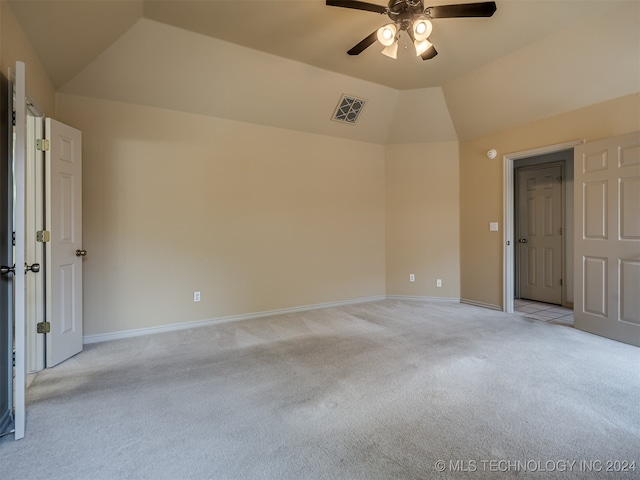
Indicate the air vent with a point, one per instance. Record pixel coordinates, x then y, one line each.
348 109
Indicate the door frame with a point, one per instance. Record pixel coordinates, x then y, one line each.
508 245
34 190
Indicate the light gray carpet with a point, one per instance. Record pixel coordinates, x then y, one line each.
374 391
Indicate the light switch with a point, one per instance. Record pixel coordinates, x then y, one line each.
493 226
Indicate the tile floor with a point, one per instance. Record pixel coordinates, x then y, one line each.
544 311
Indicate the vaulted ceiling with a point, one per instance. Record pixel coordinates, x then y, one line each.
274 53
68 34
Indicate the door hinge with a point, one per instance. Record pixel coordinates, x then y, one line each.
560 179
42 144
43 236
13 118
560 282
560 230
43 327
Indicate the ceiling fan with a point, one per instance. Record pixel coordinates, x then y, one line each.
412 17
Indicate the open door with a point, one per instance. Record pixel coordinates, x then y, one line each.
64 252
63 263
607 238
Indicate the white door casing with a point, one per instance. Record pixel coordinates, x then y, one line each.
19 256
63 214
607 238
540 233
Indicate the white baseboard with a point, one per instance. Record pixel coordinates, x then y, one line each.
481 304
138 332
423 299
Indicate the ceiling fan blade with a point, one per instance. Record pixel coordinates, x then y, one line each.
369 7
430 53
364 44
481 9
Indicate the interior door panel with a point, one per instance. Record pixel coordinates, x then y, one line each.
607 238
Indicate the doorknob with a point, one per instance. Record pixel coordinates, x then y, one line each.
523 240
81 253
4 270
35 268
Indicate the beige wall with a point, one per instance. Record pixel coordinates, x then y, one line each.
15 46
256 218
260 218
481 184
422 221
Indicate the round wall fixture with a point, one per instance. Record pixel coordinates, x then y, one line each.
491 154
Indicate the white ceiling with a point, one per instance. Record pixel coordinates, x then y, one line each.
69 34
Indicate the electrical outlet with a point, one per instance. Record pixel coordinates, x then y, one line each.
196 296
438 282
412 277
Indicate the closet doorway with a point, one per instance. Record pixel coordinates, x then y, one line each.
531 160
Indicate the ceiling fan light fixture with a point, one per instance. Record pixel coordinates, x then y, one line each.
422 46
422 28
387 34
391 51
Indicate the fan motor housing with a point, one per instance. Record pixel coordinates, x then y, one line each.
403 11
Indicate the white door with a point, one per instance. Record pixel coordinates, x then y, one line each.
607 238
64 252
540 233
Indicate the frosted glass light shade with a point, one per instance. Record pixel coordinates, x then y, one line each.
422 28
387 34
422 46
391 51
